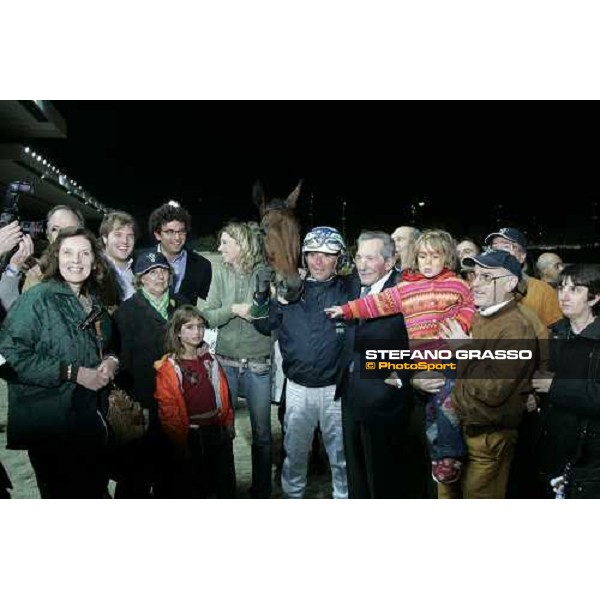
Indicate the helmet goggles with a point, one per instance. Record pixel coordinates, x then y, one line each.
323 239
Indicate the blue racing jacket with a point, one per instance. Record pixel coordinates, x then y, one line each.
311 343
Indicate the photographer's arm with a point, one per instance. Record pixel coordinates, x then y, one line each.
10 236
11 277
24 251
9 288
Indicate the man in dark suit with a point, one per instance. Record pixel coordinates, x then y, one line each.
376 415
170 224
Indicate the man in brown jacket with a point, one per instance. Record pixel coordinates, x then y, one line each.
489 394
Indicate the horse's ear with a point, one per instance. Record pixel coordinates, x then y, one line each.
258 195
294 195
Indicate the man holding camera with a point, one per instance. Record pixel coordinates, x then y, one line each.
12 237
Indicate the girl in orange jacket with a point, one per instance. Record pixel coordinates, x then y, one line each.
195 410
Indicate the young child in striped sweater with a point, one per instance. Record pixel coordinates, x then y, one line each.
427 296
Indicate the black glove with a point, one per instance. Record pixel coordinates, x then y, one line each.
262 291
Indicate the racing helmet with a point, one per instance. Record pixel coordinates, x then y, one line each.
323 239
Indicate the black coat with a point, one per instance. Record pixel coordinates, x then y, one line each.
196 280
570 420
311 343
372 400
141 341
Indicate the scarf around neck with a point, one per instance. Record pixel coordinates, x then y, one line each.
158 304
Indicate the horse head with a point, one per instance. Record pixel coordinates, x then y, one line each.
265 205
281 232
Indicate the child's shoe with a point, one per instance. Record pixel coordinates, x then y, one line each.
446 470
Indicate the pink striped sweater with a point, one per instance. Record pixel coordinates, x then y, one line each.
425 303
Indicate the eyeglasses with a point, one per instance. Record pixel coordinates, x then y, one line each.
488 277
174 232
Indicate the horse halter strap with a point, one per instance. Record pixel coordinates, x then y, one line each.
275 204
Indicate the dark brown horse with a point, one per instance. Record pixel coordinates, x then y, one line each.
281 239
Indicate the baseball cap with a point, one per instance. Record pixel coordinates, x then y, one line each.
492 259
508 233
151 259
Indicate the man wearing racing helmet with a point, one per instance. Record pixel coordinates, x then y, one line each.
311 347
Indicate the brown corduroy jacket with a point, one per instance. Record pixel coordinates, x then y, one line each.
491 393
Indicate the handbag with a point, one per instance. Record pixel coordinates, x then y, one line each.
126 418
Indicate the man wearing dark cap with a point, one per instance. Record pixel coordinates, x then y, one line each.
541 300
538 295
488 396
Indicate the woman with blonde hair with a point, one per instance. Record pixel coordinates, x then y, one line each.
244 352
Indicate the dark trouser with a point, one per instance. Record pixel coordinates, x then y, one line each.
417 452
209 469
135 467
70 471
376 458
523 481
141 469
212 463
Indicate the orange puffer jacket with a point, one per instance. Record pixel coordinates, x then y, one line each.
172 411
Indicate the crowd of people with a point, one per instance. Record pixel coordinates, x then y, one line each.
93 312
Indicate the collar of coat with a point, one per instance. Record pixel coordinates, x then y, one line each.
562 330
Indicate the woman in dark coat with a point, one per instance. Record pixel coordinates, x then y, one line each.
570 440
141 323
50 343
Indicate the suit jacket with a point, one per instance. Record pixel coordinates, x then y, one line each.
197 277
372 400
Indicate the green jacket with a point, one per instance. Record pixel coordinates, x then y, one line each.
39 337
237 337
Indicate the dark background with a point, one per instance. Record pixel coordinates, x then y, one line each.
476 165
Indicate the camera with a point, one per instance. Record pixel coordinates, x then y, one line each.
10 209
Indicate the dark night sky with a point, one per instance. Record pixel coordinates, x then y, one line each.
465 158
